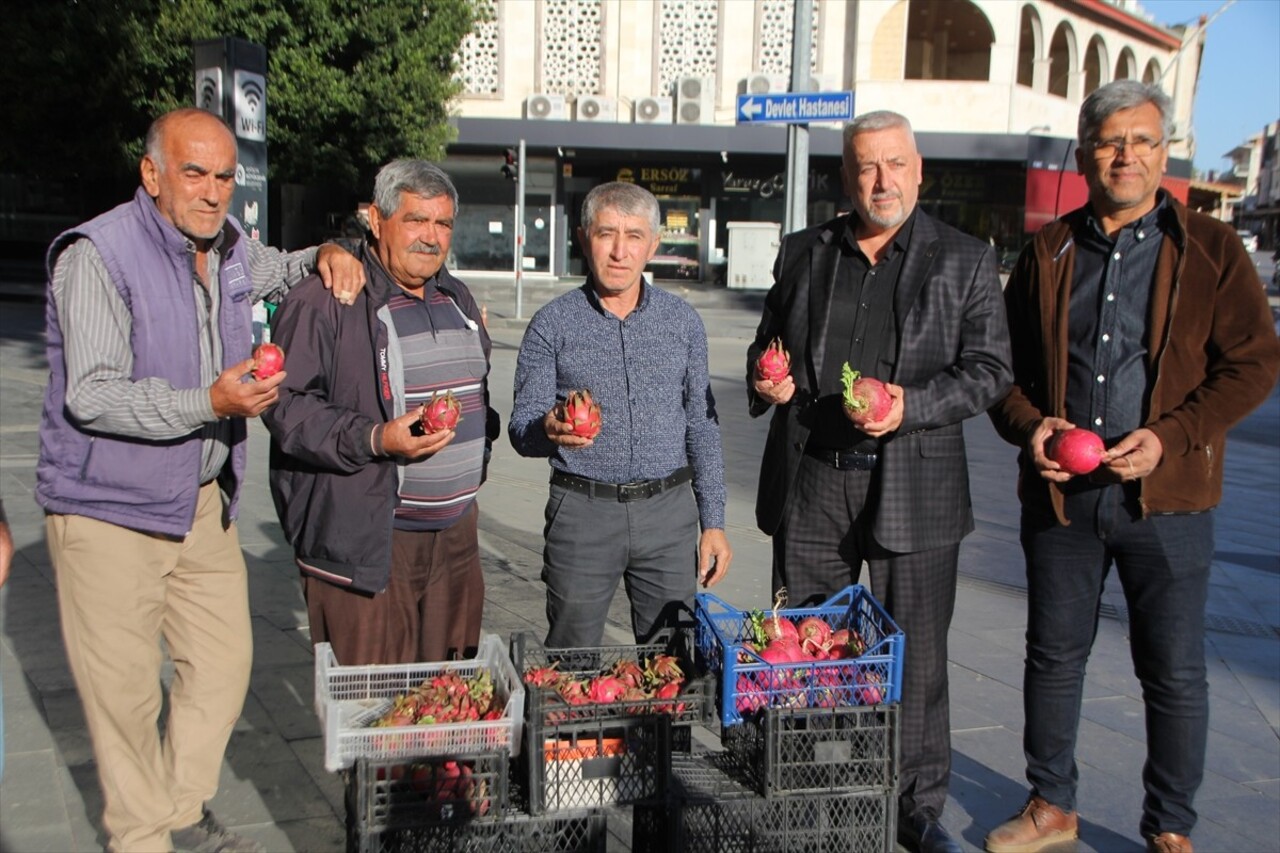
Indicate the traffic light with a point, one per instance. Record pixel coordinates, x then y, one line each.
511 170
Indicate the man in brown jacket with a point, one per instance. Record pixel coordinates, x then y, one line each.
1145 323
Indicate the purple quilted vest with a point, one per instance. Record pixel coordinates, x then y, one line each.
143 485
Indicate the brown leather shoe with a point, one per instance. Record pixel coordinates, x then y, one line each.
1037 826
1169 842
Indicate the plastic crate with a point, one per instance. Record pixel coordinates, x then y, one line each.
350 698
692 705
430 791
584 831
596 762
747 684
710 812
784 751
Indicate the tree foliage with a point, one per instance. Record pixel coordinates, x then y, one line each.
350 83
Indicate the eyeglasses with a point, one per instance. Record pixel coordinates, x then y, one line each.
1139 146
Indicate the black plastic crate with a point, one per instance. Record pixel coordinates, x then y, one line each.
710 812
582 831
427 791
596 763
693 704
783 751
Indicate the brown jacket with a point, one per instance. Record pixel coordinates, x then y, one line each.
1212 351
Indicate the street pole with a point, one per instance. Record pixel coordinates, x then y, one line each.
797 215
520 233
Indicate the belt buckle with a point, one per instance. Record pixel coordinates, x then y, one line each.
638 491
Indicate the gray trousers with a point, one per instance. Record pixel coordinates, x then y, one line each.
591 543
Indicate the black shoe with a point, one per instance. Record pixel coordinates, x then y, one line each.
924 834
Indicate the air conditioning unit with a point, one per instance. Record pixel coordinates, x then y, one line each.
695 100
822 83
595 108
764 84
652 111
544 107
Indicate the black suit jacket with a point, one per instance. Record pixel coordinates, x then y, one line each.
952 361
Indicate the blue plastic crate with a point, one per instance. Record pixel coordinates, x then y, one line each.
747 684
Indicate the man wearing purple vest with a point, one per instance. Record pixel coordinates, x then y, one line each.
142 455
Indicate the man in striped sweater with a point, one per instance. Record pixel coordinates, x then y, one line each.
382 515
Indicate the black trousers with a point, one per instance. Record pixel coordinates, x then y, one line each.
820 549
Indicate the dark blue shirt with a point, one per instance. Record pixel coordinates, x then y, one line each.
1108 380
649 374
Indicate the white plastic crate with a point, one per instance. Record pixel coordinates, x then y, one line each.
350 698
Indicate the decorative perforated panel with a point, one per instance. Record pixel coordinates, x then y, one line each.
480 54
571 32
688 31
773 36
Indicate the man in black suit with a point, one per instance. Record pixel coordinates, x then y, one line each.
915 303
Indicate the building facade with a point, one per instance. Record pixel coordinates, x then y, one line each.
645 90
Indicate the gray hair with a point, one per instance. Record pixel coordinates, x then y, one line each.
627 199
1122 95
410 176
878 120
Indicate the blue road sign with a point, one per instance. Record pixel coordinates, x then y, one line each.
795 107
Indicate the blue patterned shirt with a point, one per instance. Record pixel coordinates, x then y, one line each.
649 375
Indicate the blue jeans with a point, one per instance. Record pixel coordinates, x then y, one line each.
1163 564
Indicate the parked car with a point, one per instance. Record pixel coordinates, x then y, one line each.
1250 241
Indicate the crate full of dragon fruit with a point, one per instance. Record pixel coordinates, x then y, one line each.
843 652
612 682
429 791
389 711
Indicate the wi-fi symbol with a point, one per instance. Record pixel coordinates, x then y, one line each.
252 91
209 95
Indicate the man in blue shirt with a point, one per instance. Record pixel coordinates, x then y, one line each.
620 504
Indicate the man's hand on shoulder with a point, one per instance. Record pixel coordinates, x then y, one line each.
340 271
232 395
714 556
403 437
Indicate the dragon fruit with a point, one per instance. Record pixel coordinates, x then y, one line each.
582 413
774 363
268 360
442 413
1078 451
866 400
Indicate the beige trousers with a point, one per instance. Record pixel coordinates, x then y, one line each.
120 593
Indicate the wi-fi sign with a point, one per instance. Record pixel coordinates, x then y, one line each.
209 89
252 90
251 106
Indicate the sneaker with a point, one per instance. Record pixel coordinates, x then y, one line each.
209 836
1040 824
1169 842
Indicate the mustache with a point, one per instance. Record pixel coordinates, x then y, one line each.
420 248
896 194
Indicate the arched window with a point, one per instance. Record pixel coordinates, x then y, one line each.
1096 64
1030 44
947 40
1062 60
1151 74
1126 66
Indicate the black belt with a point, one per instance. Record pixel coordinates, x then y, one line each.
622 492
844 460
